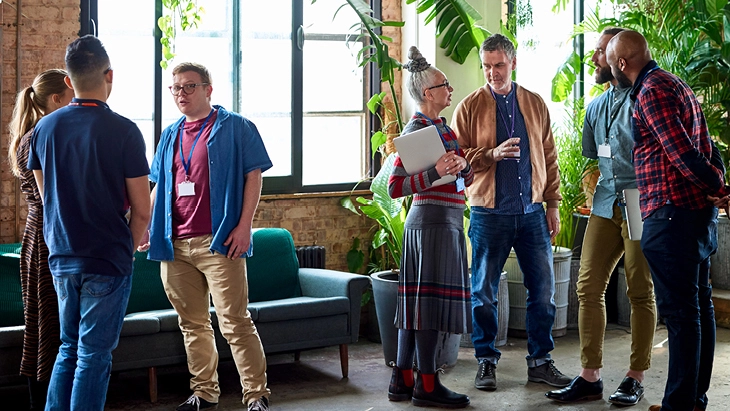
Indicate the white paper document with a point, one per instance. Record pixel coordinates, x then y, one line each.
633 213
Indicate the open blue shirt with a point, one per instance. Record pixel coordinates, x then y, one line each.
608 121
235 148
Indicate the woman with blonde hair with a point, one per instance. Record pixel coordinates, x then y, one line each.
41 340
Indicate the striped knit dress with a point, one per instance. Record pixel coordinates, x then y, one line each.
42 335
434 285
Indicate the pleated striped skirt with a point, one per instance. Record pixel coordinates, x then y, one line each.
434 286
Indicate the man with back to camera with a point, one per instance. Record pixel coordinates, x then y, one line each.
505 132
607 137
680 176
208 169
90 166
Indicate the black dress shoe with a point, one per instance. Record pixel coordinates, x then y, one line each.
629 392
578 390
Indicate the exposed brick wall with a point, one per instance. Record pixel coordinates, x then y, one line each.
46 28
316 221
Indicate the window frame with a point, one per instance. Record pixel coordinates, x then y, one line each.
291 184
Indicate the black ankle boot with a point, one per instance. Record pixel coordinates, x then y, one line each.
441 396
398 390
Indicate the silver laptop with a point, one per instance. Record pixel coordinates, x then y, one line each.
420 150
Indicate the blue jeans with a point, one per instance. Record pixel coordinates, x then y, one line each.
677 244
492 237
91 312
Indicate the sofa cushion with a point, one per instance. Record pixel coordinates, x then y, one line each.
147 290
273 268
12 336
301 307
11 295
139 325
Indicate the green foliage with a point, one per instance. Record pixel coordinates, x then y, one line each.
389 215
183 13
688 38
455 25
573 167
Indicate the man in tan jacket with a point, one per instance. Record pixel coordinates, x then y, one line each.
505 133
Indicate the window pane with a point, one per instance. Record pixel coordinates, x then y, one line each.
334 150
210 45
318 17
542 49
133 94
341 88
266 78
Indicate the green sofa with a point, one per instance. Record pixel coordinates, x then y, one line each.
287 304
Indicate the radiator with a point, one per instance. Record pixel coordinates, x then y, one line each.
311 256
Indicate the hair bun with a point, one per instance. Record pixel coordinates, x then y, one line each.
416 61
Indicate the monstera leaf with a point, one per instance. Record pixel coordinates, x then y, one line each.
454 25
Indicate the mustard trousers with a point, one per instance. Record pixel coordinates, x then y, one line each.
605 241
190 281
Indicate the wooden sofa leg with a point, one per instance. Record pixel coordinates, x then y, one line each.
297 354
344 360
152 376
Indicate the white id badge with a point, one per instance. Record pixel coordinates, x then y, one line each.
604 150
460 184
186 188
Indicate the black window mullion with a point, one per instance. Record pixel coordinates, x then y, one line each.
89 17
293 183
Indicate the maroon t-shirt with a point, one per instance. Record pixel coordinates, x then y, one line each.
191 214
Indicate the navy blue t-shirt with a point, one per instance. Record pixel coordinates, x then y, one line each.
86 152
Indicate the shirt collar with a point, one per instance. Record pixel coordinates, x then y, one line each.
648 68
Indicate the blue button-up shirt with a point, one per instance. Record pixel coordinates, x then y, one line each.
235 148
513 177
608 121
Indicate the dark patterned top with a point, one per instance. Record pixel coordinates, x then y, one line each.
673 154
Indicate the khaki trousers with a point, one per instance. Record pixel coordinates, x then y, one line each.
605 241
190 281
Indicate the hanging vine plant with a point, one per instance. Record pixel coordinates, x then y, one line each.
185 14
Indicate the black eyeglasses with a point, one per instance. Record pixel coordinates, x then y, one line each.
446 84
185 88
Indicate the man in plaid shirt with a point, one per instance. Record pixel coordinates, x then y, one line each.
680 176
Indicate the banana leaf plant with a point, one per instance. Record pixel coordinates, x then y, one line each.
455 25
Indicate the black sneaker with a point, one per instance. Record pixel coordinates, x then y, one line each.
548 374
195 403
486 378
262 404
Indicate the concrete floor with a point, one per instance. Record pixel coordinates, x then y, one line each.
315 382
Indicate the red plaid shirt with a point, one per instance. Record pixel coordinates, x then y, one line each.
673 152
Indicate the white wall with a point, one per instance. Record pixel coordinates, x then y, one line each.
464 78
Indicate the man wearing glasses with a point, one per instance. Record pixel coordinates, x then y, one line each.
505 132
208 169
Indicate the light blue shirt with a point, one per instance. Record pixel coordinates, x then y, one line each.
235 148
608 121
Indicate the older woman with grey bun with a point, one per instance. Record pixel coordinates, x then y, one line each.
434 288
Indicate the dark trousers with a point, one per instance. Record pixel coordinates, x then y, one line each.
677 244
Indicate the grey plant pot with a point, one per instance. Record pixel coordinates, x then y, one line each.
385 295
